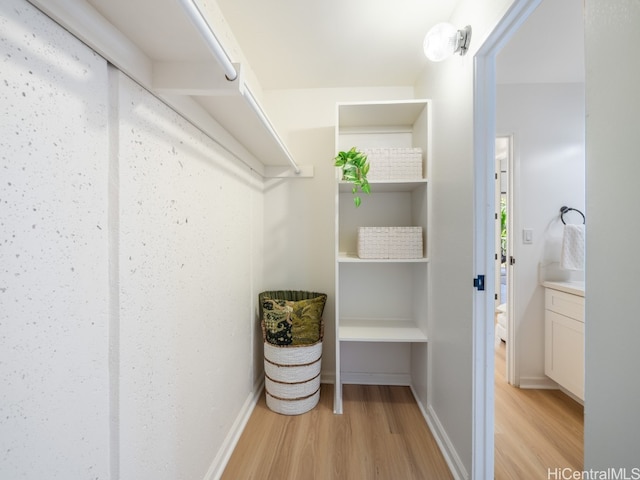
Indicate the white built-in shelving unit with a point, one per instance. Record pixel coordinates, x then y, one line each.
382 305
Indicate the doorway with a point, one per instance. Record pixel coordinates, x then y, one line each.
544 112
504 260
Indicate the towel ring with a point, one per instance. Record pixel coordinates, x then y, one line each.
564 210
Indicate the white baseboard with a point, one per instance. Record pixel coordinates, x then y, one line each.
571 395
328 377
442 439
224 453
545 383
365 378
538 383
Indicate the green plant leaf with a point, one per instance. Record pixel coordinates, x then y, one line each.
355 166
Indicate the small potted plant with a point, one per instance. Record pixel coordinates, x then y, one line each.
355 167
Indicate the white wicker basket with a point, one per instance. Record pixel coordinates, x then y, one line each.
292 391
394 163
390 242
292 377
292 354
292 407
292 372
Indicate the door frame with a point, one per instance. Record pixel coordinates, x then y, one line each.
484 133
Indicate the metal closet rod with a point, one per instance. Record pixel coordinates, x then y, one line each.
230 71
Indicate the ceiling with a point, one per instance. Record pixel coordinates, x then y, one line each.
354 43
338 43
334 43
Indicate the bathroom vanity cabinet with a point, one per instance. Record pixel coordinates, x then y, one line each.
564 335
382 303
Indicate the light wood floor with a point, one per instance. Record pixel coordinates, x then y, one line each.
383 435
535 430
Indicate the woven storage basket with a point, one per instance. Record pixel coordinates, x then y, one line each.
292 372
390 242
394 163
292 391
293 407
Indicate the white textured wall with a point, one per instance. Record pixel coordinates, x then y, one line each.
186 225
547 123
450 85
450 328
131 258
54 291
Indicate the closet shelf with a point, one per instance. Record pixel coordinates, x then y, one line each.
401 114
353 258
174 64
383 186
379 330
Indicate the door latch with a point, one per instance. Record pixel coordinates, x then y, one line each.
478 282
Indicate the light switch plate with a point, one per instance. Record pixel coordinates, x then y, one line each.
527 236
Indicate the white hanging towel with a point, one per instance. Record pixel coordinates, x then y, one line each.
572 253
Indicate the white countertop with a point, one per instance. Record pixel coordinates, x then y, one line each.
575 287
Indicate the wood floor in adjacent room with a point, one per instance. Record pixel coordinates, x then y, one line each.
383 435
536 431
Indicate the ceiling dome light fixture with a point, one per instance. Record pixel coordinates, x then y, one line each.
443 40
